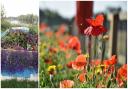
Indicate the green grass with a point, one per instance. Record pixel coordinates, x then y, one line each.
18 84
92 79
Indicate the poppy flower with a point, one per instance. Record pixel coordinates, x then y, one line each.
66 84
111 61
53 50
49 34
122 72
61 30
122 75
68 55
96 26
74 44
79 63
69 65
106 63
43 27
95 62
82 77
109 64
48 61
62 46
96 22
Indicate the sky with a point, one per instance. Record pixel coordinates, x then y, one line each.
68 8
65 8
20 7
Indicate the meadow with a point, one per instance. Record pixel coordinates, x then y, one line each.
63 64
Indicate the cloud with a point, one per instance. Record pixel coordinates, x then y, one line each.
19 7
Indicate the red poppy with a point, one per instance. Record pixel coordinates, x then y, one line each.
43 27
66 84
106 63
79 63
96 26
61 30
48 61
82 77
49 34
74 44
122 72
69 65
109 64
111 61
53 50
68 55
62 45
96 22
95 62
122 75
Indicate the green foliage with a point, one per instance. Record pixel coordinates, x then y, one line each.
5 25
33 29
15 38
18 84
95 77
59 59
29 19
52 18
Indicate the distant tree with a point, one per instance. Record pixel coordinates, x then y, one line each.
29 18
52 18
2 12
4 23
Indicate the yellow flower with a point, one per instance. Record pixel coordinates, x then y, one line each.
98 69
86 55
42 54
59 66
51 69
44 45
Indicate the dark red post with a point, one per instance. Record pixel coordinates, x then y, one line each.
84 11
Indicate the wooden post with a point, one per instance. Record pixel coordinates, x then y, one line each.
114 18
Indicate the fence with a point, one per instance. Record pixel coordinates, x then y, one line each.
116 24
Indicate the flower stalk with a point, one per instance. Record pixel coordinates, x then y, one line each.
89 48
51 78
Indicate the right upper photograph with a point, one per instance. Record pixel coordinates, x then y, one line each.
83 44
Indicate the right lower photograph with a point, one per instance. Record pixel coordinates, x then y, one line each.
83 44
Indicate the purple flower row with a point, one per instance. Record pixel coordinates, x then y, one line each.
17 60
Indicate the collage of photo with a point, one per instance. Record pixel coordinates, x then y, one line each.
63 44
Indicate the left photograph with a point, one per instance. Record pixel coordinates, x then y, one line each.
19 44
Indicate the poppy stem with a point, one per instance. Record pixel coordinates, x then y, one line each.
51 78
103 51
52 83
89 48
95 47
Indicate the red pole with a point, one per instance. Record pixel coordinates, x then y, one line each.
84 11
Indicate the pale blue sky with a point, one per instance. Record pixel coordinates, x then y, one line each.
20 7
68 8
65 8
